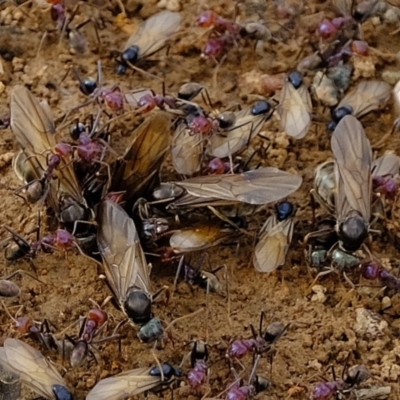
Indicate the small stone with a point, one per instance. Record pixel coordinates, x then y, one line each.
90 382
391 77
171 5
64 58
363 67
376 21
2 87
18 15
4 13
325 89
7 20
5 159
390 16
18 64
386 303
319 296
369 324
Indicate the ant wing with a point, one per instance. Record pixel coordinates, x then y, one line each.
154 32
388 164
270 251
34 370
295 110
142 160
123 258
259 186
186 151
123 385
37 136
353 156
366 97
198 238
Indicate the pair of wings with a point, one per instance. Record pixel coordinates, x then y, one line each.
34 370
256 187
154 33
367 96
143 158
123 385
37 136
295 110
273 244
353 161
119 244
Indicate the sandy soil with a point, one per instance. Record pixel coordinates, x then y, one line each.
322 329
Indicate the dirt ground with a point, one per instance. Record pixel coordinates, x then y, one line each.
324 329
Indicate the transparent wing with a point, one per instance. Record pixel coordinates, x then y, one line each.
236 138
259 186
37 136
270 251
295 111
143 159
133 97
343 6
186 151
388 164
154 32
396 99
32 367
119 245
353 156
305 95
198 238
123 385
366 97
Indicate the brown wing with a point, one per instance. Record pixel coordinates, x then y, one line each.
186 151
259 186
353 156
143 159
294 111
32 367
121 386
366 97
123 257
270 251
154 33
37 136
386 165
198 238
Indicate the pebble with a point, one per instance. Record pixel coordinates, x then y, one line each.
369 324
171 5
391 77
363 67
18 15
64 58
90 382
319 296
5 159
325 89
18 64
391 15
2 87
386 303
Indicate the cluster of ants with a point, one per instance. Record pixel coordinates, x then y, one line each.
113 206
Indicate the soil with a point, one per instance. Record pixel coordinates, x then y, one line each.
324 321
